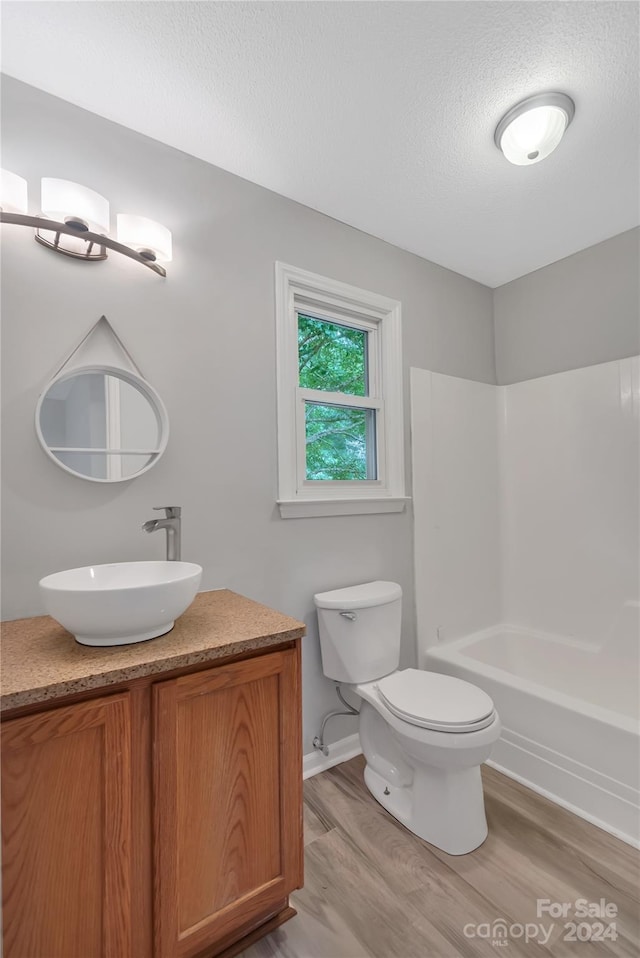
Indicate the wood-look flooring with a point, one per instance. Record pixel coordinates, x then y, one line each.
374 889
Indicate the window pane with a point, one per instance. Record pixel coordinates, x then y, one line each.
340 442
332 357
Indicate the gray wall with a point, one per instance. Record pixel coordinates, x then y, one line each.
205 338
577 312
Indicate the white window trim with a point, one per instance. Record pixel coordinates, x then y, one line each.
297 289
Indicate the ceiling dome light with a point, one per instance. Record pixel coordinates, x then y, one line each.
532 129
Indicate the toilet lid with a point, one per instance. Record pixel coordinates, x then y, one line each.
439 702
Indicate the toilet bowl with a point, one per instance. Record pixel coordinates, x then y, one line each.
427 778
423 734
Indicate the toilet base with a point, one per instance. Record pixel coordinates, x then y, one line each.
444 807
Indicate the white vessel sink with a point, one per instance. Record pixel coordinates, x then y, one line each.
121 602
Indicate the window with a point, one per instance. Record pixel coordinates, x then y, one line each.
340 433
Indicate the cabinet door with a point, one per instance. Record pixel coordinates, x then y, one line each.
227 800
66 832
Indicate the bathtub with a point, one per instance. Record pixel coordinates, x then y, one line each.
570 715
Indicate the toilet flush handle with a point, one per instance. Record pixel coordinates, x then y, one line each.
349 615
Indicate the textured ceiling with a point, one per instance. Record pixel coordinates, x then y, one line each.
378 114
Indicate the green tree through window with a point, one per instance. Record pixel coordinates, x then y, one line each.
333 358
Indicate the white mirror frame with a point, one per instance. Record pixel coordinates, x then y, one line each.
133 380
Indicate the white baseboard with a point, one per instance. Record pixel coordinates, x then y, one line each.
341 751
558 778
586 799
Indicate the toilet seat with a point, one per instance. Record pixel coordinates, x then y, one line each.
435 701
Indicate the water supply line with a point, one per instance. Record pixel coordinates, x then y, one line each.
318 741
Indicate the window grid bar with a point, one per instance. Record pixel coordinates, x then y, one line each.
371 445
322 398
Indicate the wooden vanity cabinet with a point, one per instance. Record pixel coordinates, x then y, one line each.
160 821
66 831
227 780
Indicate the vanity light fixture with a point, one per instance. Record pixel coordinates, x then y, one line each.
13 192
152 240
75 222
533 128
78 207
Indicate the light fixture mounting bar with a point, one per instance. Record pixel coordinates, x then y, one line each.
57 248
40 223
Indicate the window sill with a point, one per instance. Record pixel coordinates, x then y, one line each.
312 508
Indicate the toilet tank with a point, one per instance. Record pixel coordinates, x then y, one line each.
360 631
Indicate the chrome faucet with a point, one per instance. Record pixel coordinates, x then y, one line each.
171 523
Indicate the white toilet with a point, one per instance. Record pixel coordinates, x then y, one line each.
423 734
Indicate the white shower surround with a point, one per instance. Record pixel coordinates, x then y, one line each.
527 559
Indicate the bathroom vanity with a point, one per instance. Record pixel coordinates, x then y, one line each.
151 794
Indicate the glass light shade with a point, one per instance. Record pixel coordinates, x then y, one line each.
149 238
534 135
63 200
533 129
13 192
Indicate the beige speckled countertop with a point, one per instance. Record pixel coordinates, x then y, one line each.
42 661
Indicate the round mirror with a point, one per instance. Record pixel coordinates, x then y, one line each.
102 423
